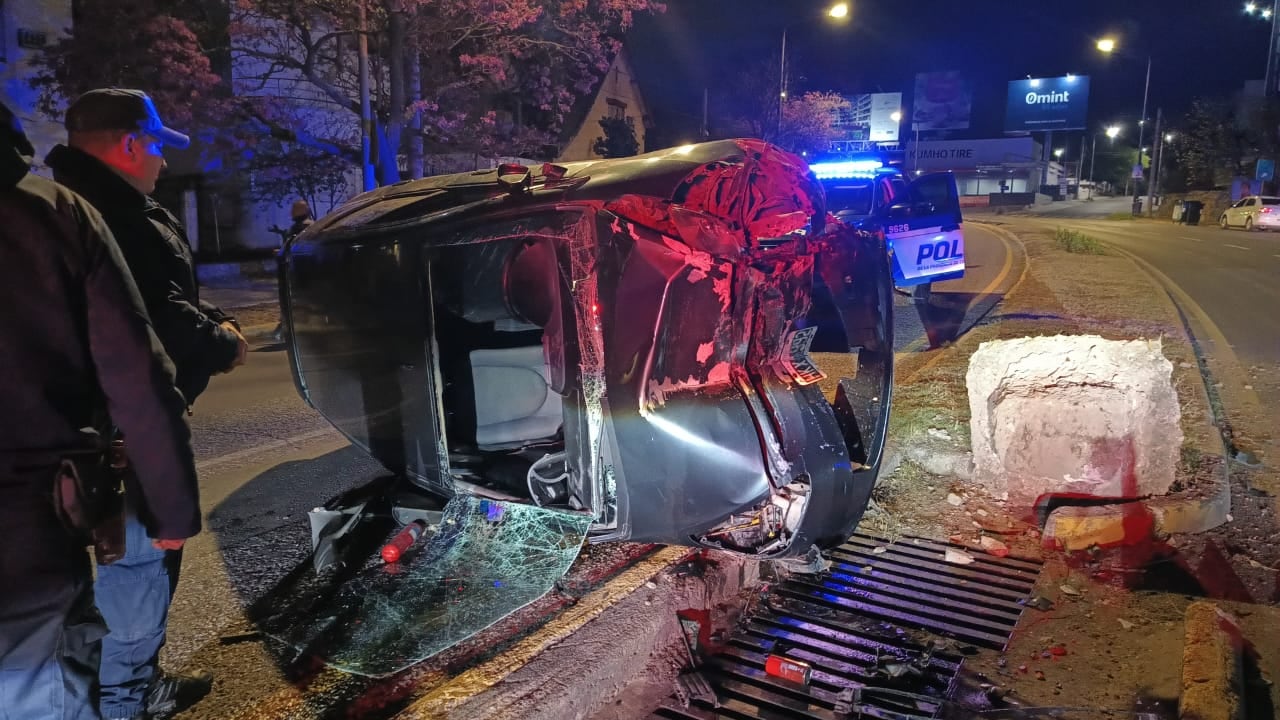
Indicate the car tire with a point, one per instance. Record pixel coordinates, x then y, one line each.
1248 224
1222 221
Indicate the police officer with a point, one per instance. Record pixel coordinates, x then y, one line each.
74 342
113 158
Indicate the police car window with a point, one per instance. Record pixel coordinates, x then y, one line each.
853 198
899 187
934 193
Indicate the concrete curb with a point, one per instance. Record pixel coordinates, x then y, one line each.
259 332
587 657
1212 666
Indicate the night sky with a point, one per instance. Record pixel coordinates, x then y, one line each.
1200 48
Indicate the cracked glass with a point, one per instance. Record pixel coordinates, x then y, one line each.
485 560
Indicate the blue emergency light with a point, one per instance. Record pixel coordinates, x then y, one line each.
843 169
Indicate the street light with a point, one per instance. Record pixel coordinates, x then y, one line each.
838 11
1111 132
1108 46
1272 14
896 116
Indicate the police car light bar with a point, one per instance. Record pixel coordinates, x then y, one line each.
846 169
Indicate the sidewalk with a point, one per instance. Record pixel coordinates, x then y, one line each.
254 303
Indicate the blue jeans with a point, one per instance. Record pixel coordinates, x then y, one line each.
49 628
133 595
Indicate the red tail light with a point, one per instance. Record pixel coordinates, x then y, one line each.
1266 209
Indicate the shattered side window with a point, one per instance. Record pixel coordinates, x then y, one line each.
486 560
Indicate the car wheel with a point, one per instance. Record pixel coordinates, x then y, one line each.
1223 222
1248 224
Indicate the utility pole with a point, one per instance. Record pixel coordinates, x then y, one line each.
706 105
366 106
1151 183
782 80
1080 166
1271 81
1142 126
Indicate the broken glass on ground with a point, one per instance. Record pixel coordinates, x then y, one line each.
486 560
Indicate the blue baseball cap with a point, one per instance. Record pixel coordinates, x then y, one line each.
121 109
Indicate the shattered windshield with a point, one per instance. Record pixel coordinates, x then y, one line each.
484 561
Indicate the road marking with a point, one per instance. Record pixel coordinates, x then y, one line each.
1184 237
1238 247
440 700
920 343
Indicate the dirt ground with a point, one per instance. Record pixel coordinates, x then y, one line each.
1111 635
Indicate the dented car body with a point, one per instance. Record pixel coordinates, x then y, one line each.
678 346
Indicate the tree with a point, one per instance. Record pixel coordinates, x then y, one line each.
134 44
459 75
1210 148
808 123
619 138
748 107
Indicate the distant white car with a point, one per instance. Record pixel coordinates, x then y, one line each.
1256 212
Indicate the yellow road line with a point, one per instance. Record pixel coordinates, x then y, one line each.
442 698
917 344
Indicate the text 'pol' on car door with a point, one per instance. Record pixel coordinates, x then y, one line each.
924 232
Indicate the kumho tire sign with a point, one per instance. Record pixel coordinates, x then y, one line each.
1041 104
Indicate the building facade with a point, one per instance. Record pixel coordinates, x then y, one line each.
25 27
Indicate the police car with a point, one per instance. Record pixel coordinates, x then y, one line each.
920 218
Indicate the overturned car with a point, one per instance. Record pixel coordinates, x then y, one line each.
678 345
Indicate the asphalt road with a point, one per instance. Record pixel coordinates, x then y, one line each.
265 459
1233 275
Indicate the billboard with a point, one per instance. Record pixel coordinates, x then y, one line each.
869 118
942 102
1041 104
964 155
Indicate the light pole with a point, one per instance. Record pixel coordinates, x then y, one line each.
1273 47
1112 132
839 11
1108 46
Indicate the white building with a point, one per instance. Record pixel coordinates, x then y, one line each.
25 27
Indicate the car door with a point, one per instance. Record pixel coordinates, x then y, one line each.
923 229
1241 212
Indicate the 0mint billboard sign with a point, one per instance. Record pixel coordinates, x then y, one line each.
1042 104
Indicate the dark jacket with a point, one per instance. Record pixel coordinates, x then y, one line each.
159 256
75 344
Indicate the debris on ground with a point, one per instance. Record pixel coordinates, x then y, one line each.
994 546
957 557
954 499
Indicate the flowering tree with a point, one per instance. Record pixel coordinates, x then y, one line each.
135 44
748 106
495 77
445 75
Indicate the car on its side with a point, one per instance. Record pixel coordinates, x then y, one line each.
626 339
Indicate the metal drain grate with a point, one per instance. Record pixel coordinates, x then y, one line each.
869 626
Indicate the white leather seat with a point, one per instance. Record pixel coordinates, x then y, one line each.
514 404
